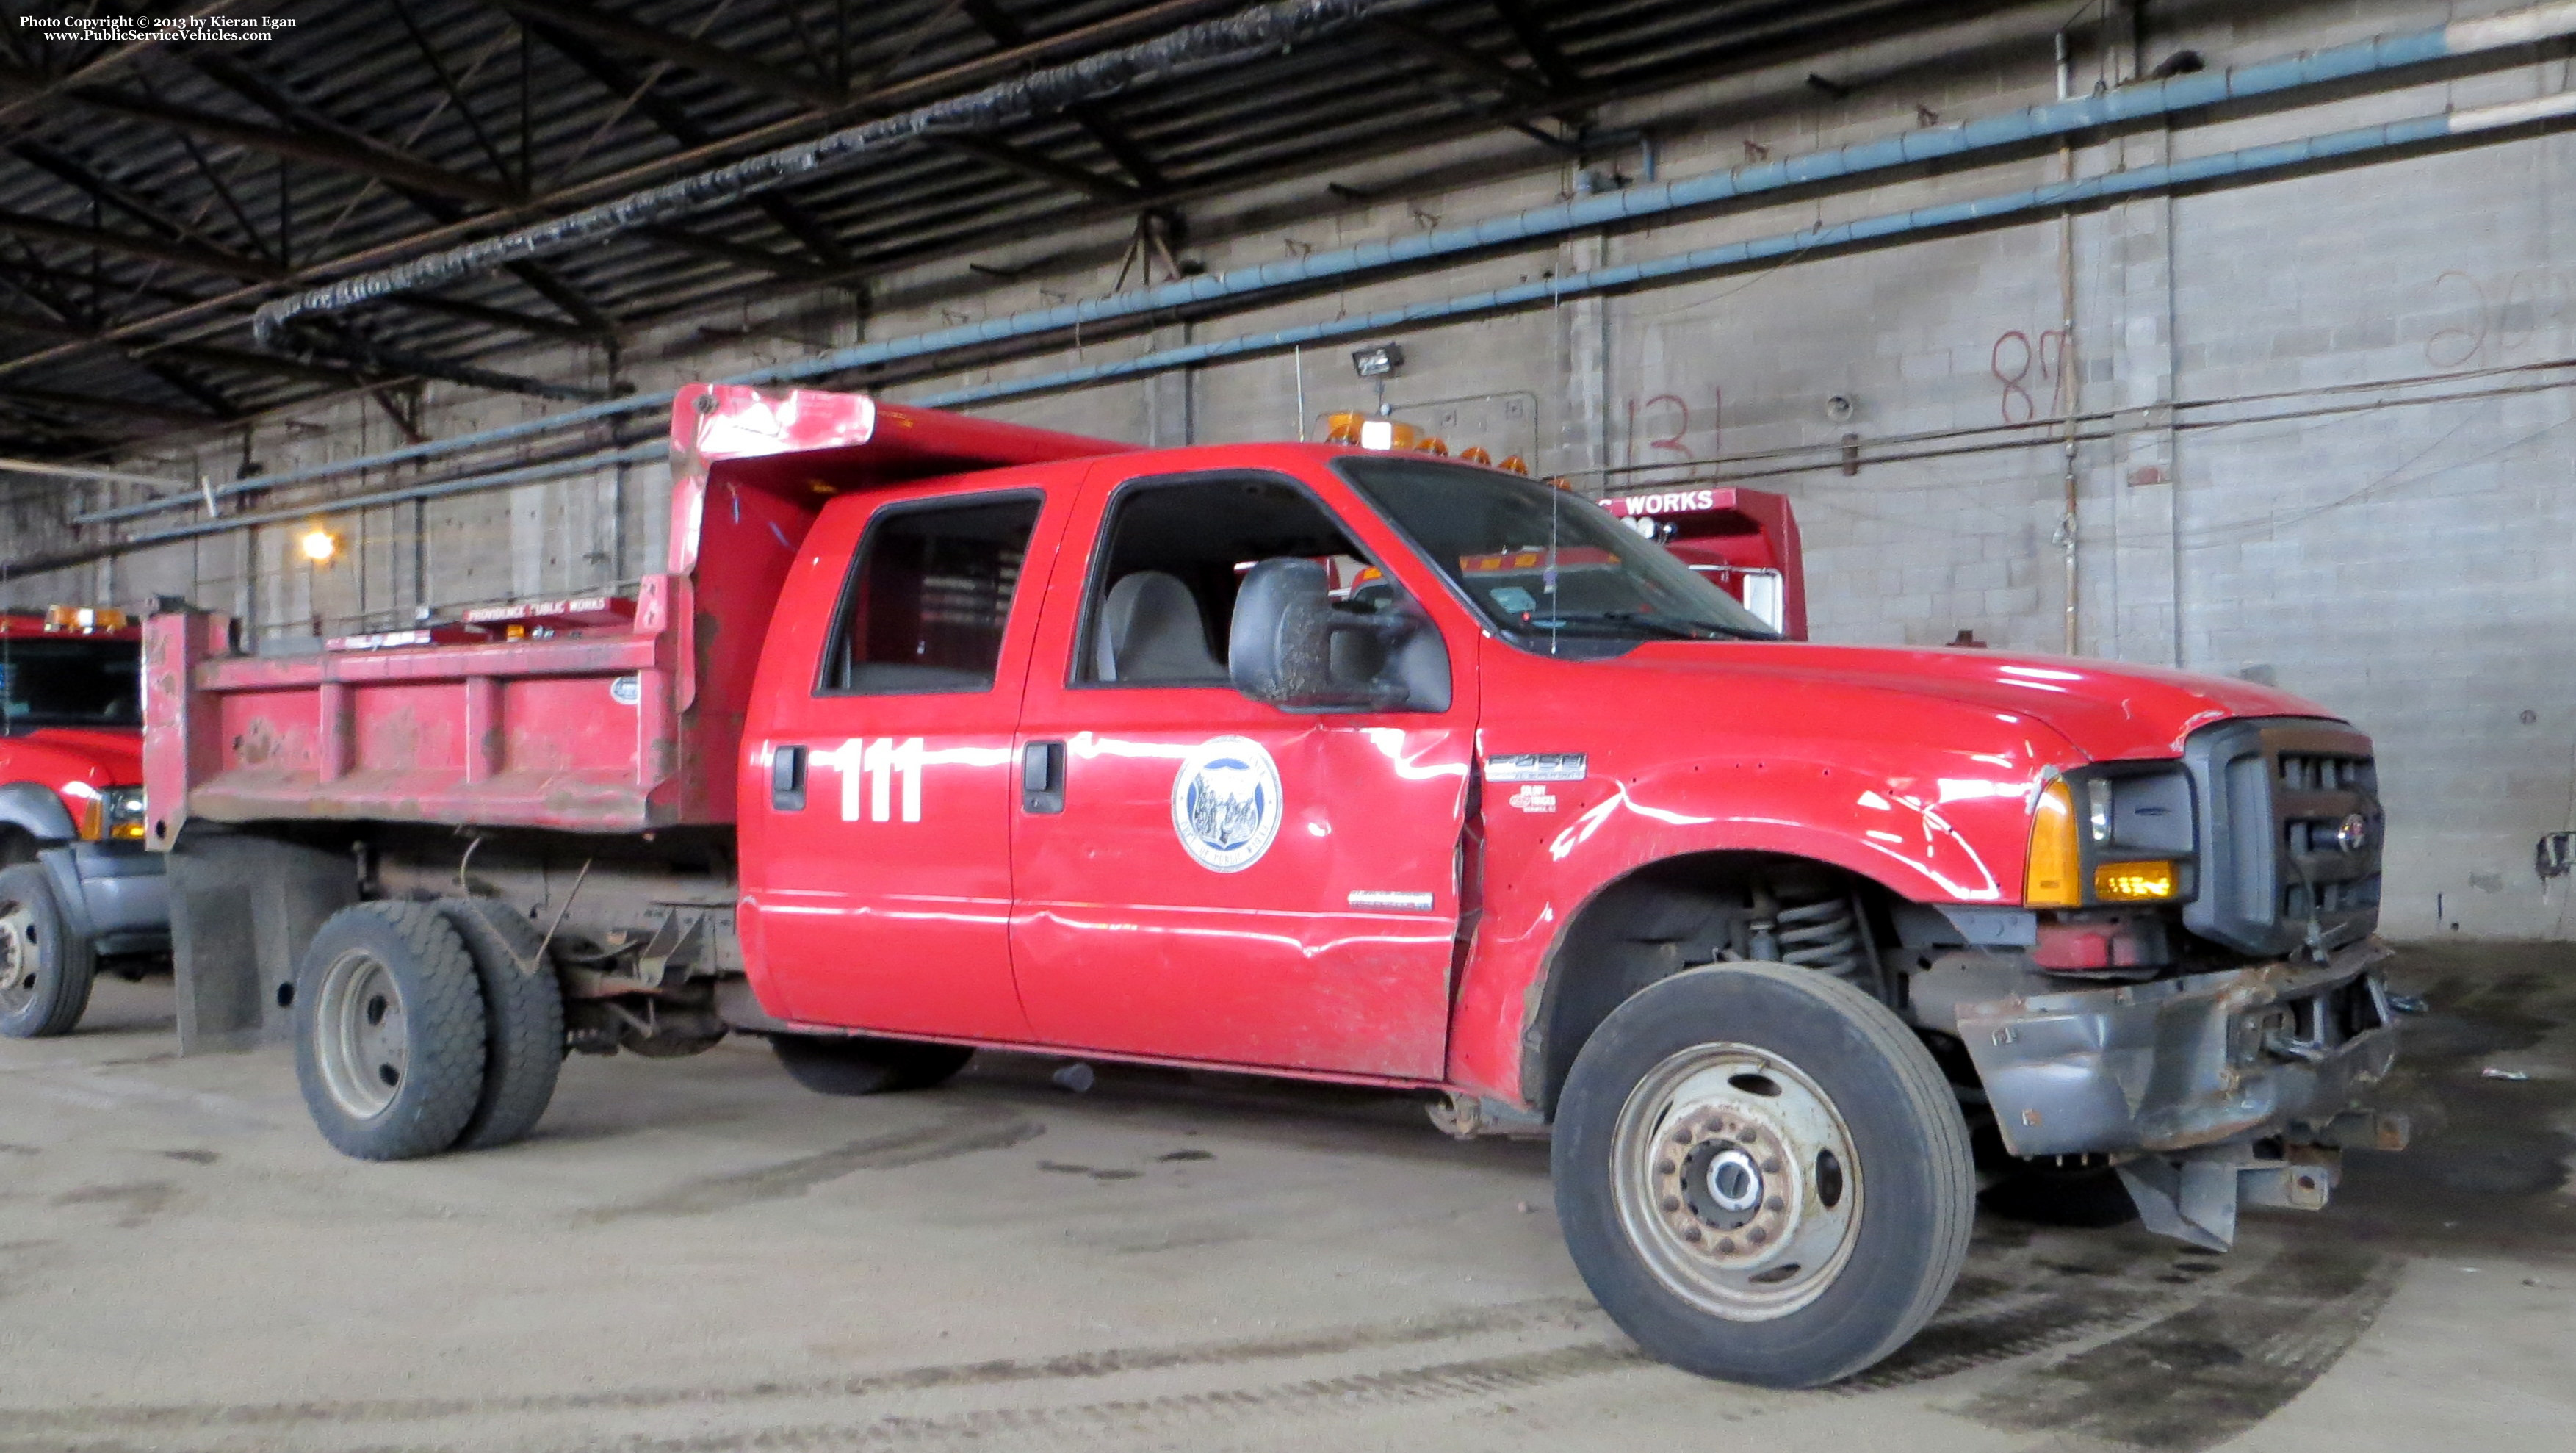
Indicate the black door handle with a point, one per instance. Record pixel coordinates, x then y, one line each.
1042 777
787 779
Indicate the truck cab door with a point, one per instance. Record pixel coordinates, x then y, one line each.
1199 876
878 783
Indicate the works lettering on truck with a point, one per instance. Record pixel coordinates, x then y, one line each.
938 735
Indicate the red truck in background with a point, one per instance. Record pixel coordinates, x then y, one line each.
1319 761
75 882
1744 540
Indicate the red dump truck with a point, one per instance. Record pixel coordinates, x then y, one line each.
76 886
940 734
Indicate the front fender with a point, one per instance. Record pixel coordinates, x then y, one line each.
37 810
1957 836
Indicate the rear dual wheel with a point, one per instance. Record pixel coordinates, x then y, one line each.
425 1027
1762 1175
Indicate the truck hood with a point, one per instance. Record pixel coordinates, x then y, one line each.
2104 709
100 756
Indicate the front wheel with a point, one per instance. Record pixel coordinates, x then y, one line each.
1762 1175
45 972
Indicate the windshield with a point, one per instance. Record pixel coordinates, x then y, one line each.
1553 570
70 684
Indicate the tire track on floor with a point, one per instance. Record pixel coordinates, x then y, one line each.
2204 1374
1566 1313
963 1133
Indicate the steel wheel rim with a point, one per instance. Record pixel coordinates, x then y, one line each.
22 965
361 1032
1736 1181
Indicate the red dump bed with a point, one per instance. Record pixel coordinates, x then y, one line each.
601 713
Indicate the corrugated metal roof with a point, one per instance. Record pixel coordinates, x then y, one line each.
209 177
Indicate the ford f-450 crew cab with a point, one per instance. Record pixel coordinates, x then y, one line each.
1303 760
76 885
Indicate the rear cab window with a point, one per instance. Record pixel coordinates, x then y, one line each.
928 596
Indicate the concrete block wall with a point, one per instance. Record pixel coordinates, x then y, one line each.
2406 563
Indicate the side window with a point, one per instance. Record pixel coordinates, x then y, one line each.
1161 596
927 598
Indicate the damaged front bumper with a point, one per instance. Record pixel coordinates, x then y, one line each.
2204 1088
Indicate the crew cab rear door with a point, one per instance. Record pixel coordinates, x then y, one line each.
878 788
1199 876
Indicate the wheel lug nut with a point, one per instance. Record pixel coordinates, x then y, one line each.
1690 1233
1757 1235
1664 1167
1671 1203
1771 1167
1726 1243
1774 1204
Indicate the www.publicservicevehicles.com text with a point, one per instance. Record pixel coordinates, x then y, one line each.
144 27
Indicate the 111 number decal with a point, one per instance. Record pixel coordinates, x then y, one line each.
880 761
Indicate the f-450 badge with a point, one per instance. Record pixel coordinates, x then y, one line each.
1226 804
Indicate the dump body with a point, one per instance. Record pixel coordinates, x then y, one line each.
601 714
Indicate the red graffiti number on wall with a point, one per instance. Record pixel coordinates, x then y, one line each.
1672 442
2018 363
1671 415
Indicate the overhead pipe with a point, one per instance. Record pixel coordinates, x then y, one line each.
2134 105
75 471
441 489
1248 33
1290 21
2250 164
2247 165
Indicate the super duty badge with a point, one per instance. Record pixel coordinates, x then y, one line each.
1535 767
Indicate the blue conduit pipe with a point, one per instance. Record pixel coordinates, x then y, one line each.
2247 165
2250 164
2110 110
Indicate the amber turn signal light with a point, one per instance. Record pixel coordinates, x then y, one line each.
2134 882
2054 877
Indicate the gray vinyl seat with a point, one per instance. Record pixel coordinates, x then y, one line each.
1151 632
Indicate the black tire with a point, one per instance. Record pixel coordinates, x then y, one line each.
523 1020
389 1031
858 1065
45 970
1728 1063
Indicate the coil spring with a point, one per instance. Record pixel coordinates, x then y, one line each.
1822 933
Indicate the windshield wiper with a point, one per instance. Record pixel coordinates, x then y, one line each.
1669 629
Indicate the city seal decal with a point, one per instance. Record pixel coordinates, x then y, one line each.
1225 804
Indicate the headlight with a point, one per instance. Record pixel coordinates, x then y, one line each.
2113 832
122 812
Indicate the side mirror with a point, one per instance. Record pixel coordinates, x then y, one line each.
1291 648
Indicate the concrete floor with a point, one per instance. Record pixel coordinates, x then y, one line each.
698 1255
